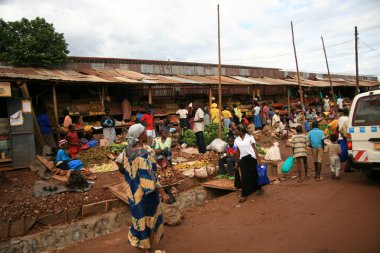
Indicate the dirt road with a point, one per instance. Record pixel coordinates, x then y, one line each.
317 217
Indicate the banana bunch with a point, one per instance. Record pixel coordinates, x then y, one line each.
102 168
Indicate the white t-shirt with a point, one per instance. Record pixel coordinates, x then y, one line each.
182 113
341 121
256 110
340 103
275 119
245 146
199 126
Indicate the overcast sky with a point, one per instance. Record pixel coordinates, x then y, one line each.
253 33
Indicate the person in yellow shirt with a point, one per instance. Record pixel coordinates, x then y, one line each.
214 113
237 111
226 116
332 127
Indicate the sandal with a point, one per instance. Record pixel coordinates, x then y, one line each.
242 199
320 179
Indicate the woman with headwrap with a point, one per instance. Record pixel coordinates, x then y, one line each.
246 177
139 170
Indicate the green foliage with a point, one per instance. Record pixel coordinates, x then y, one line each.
211 133
116 148
31 43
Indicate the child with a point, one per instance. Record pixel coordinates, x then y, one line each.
163 148
229 158
299 143
334 152
183 117
73 140
62 157
316 137
148 121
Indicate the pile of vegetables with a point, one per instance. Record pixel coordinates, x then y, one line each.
211 133
261 150
117 148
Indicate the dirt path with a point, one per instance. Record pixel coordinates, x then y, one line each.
320 217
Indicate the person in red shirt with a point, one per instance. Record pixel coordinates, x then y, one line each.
148 120
73 140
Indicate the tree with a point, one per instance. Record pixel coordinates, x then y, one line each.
31 43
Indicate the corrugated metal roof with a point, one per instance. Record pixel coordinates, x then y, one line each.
122 76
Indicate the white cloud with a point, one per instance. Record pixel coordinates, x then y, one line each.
252 32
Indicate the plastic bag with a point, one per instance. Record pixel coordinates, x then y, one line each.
217 145
75 165
287 165
262 173
273 153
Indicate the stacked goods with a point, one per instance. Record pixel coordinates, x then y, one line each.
167 176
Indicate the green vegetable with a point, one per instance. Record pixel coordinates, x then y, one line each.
211 133
116 148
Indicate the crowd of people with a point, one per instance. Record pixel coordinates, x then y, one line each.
238 162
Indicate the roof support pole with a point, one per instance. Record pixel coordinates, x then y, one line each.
55 107
210 96
298 77
219 81
328 71
356 61
289 101
150 95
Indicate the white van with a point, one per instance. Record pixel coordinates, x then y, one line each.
363 132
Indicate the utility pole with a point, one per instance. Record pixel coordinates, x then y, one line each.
219 81
328 70
298 77
356 61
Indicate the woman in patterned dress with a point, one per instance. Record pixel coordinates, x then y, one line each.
139 170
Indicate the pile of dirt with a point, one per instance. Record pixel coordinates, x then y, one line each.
17 200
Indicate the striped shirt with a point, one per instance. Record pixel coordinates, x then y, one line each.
333 149
299 144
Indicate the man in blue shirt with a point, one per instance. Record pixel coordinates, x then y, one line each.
45 128
316 137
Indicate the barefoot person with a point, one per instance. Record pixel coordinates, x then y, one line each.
139 170
247 155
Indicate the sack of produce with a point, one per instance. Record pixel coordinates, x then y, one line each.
273 153
287 165
262 173
217 145
171 213
201 173
188 173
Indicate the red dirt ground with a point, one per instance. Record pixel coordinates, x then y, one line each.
316 217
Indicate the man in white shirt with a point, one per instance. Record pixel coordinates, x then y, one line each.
199 127
276 117
339 102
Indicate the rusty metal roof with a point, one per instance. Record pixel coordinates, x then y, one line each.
122 76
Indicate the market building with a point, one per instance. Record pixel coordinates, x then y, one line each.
87 85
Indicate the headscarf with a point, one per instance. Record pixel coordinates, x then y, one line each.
62 143
134 133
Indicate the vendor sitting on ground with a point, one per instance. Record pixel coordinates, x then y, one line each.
163 148
62 157
281 132
87 133
73 140
229 158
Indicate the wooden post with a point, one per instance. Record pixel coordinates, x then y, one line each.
219 81
210 96
253 93
298 77
150 95
328 71
56 112
356 61
37 132
289 101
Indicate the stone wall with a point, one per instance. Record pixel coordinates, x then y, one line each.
88 228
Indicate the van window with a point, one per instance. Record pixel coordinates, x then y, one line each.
367 111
